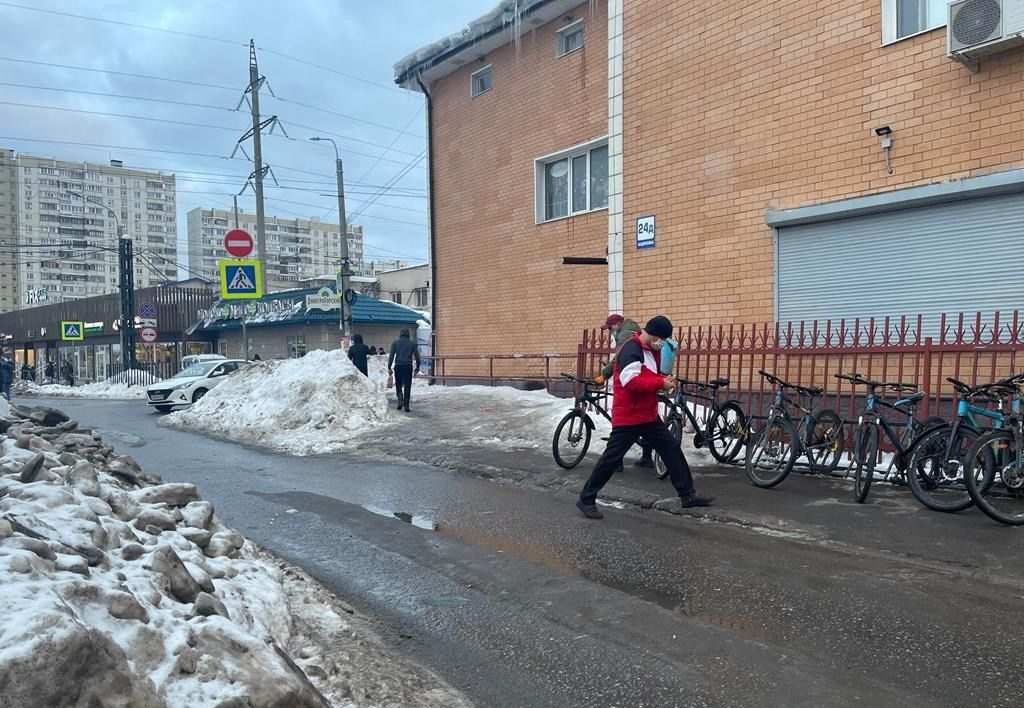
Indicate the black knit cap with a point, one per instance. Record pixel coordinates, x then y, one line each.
659 327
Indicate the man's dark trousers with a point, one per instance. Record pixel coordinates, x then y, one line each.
624 437
403 382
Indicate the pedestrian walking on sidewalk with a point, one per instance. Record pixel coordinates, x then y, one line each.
49 372
402 358
6 373
358 352
635 383
621 331
68 371
27 372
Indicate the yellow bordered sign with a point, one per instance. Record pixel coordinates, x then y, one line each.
240 280
72 331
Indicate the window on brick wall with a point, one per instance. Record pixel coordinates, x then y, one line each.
572 182
906 18
480 81
570 38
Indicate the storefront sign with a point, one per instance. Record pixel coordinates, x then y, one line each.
325 299
94 328
235 310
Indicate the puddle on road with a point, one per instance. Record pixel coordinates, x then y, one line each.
695 609
126 438
421 522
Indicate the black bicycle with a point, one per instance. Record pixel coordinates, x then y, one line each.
772 452
572 434
725 430
872 423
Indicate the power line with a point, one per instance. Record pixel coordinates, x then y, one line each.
344 115
119 73
117 95
198 125
200 36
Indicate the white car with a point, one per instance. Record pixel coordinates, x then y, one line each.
189 385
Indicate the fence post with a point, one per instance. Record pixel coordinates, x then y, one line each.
928 377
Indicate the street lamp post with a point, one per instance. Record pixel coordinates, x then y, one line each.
126 285
345 271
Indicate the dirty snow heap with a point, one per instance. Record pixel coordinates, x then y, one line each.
305 406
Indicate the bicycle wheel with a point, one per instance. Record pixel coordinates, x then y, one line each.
1003 498
726 430
865 456
936 474
675 426
827 442
772 453
572 439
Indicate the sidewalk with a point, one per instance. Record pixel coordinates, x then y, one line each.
443 431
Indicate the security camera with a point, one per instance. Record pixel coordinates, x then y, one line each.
883 131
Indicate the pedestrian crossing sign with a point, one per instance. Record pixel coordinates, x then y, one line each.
240 280
72 331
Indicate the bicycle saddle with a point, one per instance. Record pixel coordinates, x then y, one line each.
912 398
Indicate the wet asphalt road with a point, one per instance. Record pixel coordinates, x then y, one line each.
517 600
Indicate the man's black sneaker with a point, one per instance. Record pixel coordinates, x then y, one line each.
589 510
644 462
406 407
400 406
692 500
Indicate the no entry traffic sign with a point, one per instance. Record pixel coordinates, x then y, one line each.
238 243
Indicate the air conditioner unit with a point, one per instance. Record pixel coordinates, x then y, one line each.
979 28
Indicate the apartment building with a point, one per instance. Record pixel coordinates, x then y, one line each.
59 225
298 250
772 160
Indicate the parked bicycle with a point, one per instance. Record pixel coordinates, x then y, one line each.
872 423
725 430
772 452
1003 498
937 473
572 434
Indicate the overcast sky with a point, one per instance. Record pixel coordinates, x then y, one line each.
355 37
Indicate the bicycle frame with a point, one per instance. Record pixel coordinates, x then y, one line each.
900 441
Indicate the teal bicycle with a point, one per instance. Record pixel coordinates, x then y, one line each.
937 474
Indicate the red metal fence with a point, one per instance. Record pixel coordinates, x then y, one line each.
974 348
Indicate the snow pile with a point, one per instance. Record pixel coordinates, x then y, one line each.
315 404
113 388
121 592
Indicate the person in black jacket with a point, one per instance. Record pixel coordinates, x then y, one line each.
400 364
6 373
358 352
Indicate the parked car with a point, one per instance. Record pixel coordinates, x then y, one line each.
193 359
191 384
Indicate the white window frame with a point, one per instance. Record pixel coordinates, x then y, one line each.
890 22
472 81
539 182
570 28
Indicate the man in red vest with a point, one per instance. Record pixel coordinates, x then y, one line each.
635 386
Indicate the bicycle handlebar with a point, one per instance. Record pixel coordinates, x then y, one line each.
776 381
576 379
993 391
896 386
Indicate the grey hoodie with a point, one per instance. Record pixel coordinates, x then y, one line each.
403 351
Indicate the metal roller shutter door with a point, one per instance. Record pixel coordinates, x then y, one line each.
964 256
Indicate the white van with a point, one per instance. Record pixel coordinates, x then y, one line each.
193 359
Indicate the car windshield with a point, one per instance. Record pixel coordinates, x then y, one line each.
196 370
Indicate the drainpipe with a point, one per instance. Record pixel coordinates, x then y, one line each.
433 228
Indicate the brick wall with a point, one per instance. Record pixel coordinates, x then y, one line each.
732 110
501 285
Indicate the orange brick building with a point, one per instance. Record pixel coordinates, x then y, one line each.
750 132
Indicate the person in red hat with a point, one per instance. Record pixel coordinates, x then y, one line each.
622 330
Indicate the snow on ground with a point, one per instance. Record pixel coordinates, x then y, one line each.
305 406
120 591
321 404
127 385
